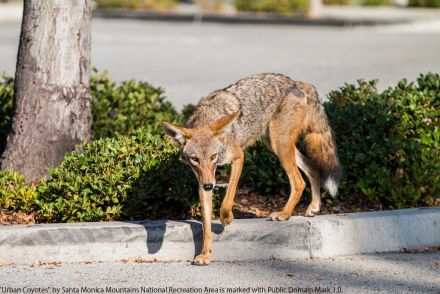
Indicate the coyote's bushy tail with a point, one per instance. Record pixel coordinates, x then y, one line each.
321 147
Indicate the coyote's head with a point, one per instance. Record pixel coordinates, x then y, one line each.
202 148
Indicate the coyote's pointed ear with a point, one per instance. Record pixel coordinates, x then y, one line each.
178 135
219 125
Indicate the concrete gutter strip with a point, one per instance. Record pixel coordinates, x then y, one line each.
250 239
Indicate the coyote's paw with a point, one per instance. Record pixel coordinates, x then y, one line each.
312 210
226 217
202 259
279 216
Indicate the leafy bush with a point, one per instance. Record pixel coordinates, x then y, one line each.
262 171
15 194
359 2
389 143
119 110
6 100
278 6
133 177
376 2
338 2
116 109
135 4
424 3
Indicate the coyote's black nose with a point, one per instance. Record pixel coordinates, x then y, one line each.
208 187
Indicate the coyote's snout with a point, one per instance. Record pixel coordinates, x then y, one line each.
268 106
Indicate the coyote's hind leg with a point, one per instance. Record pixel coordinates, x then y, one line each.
283 145
313 175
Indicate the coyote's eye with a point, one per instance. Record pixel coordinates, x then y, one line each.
214 157
194 160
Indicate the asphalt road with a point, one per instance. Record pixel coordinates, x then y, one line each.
382 273
190 60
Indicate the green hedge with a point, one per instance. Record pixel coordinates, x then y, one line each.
15 194
133 177
338 2
277 6
121 109
389 142
424 3
377 2
135 4
388 145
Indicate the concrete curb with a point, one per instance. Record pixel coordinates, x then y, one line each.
242 18
250 239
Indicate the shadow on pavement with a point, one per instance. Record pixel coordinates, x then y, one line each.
156 232
384 273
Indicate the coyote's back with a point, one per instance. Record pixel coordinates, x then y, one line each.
256 97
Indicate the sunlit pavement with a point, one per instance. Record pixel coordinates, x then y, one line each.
381 273
190 60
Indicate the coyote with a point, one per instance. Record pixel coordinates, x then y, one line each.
268 106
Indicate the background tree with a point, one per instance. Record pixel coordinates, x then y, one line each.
52 111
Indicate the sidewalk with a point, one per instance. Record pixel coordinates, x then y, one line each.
245 239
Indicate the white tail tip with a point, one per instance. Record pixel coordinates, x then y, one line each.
331 186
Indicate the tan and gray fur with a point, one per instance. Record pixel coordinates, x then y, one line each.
268 106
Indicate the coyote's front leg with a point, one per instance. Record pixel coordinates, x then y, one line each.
226 215
204 257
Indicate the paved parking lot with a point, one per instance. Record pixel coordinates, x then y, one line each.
190 60
380 273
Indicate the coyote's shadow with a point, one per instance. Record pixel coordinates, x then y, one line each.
156 231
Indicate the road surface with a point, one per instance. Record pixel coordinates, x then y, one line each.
381 273
190 60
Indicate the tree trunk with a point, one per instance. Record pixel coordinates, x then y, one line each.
52 86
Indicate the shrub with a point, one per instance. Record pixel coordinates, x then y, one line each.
119 110
116 109
129 177
262 171
338 2
15 194
277 6
136 177
136 4
377 2
424 3
6 100
389 143
359 2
